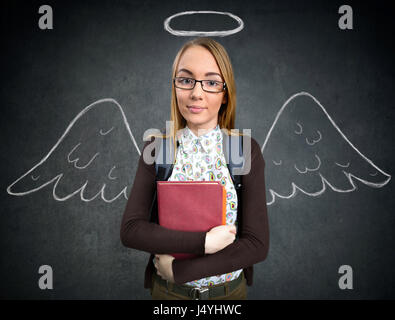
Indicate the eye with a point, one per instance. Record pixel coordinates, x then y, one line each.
184 80
212 83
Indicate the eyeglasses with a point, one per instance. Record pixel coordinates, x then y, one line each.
207 85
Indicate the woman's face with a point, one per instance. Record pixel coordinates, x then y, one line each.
198 63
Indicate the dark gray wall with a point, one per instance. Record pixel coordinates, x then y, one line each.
120 50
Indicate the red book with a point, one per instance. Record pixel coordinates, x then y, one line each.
191 206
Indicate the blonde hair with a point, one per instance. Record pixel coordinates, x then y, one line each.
227 112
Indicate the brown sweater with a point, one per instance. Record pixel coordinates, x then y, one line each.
251 247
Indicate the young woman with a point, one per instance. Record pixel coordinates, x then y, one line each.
203 103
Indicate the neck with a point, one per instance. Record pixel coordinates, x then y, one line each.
201 130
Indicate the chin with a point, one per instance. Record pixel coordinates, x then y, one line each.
196 120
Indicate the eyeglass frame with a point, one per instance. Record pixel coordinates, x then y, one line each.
201 83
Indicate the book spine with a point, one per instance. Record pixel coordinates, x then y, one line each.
223 205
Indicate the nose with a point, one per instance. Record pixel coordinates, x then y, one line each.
197 91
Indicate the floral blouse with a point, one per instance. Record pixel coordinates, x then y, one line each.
202 159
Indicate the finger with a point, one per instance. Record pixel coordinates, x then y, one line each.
232 230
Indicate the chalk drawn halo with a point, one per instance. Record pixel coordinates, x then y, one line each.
203 33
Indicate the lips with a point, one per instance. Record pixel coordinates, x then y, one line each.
195 109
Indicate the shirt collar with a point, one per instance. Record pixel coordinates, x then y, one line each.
191 143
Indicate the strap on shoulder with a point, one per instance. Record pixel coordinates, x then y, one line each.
164 160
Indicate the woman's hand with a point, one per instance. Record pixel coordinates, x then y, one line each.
163 265
218 238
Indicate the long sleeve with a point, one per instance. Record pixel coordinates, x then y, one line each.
253 243
136 230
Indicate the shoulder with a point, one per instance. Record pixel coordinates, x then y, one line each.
256 151
158 144
153 137
249 141
254 144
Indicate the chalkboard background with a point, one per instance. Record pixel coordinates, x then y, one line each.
120 50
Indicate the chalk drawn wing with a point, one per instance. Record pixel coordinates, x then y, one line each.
305 151
90 158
